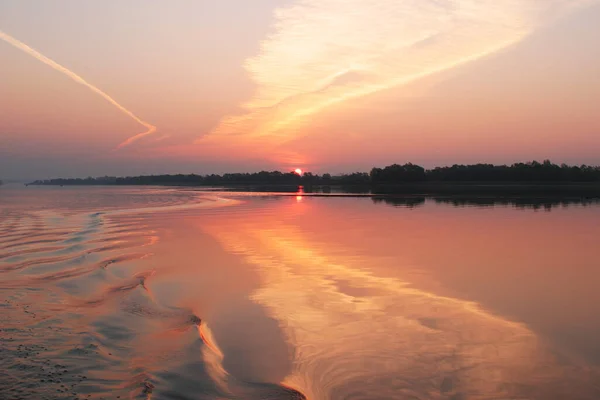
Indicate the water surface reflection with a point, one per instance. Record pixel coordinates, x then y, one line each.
427 302
172 293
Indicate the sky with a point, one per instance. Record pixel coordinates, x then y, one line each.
93 88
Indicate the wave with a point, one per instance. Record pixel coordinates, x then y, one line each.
79 316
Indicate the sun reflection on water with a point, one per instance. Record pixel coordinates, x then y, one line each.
359 335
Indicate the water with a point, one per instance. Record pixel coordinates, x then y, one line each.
182 294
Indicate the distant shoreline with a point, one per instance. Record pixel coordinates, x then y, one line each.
531 178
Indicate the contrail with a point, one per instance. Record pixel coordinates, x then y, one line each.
34 53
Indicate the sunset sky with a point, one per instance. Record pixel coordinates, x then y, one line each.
147 86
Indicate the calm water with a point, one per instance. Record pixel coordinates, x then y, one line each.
181 294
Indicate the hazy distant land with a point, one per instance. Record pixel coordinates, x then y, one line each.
531 178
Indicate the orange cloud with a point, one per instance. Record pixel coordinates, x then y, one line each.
325 52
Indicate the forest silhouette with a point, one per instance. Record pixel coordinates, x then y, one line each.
532 176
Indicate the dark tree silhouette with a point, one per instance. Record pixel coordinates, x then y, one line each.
393 175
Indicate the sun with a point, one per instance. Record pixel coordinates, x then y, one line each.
298 171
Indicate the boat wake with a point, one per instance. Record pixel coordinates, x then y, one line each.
79 318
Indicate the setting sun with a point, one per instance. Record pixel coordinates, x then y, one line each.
298 171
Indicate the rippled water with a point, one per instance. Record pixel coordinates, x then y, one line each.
182 294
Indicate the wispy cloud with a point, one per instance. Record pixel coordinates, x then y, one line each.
324 52
53 64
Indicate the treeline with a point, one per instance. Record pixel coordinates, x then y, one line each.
263 177
531 172
520 172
